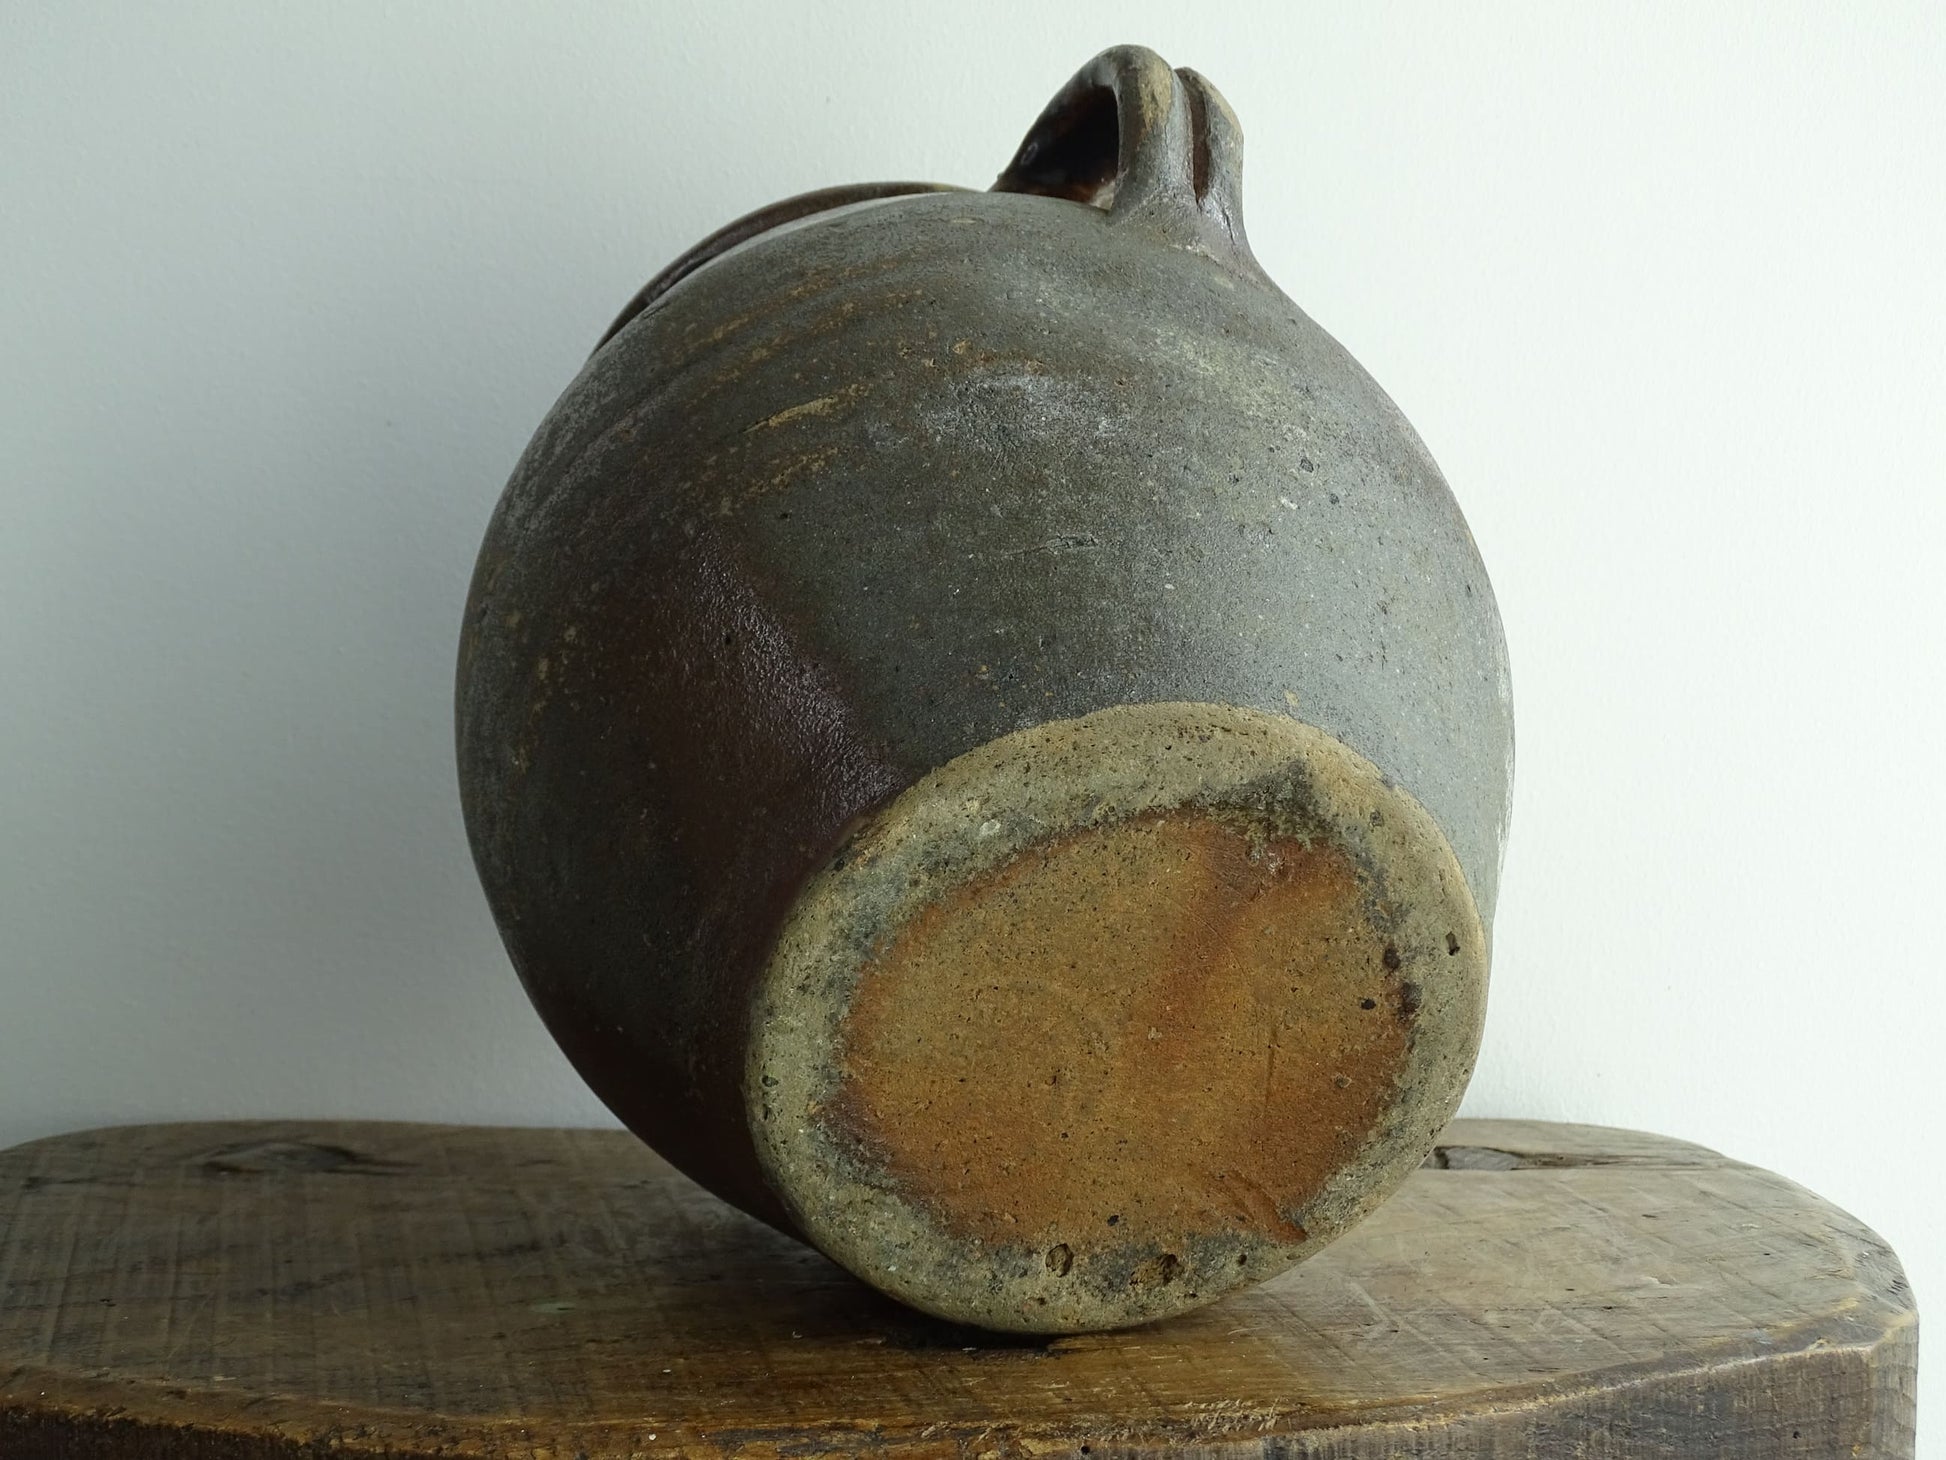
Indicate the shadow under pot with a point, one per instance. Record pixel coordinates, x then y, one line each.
987 737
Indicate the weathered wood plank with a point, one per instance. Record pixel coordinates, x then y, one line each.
243 1291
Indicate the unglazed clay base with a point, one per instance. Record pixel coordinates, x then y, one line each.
1110 1016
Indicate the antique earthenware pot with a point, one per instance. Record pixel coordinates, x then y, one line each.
987 736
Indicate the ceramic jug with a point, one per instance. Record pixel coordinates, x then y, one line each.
987 737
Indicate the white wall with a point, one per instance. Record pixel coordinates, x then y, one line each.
284 290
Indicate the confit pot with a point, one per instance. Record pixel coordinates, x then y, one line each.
987 737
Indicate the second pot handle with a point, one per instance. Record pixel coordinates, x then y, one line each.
1154 147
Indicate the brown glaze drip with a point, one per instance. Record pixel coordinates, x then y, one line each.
1129 1035
725 712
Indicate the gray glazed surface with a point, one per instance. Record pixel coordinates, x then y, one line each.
1102 471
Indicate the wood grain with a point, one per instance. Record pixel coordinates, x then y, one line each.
246 1291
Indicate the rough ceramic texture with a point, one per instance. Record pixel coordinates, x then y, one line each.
1095 987
847 498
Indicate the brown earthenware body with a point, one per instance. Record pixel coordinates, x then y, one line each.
988 738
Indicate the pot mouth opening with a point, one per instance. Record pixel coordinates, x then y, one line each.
755 225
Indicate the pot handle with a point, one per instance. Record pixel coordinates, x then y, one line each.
1154 147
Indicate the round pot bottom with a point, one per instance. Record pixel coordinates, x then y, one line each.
1110 1016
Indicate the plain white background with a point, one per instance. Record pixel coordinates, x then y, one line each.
284 290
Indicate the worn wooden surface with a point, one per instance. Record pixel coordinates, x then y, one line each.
231 1292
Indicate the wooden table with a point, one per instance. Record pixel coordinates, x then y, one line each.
243 1291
